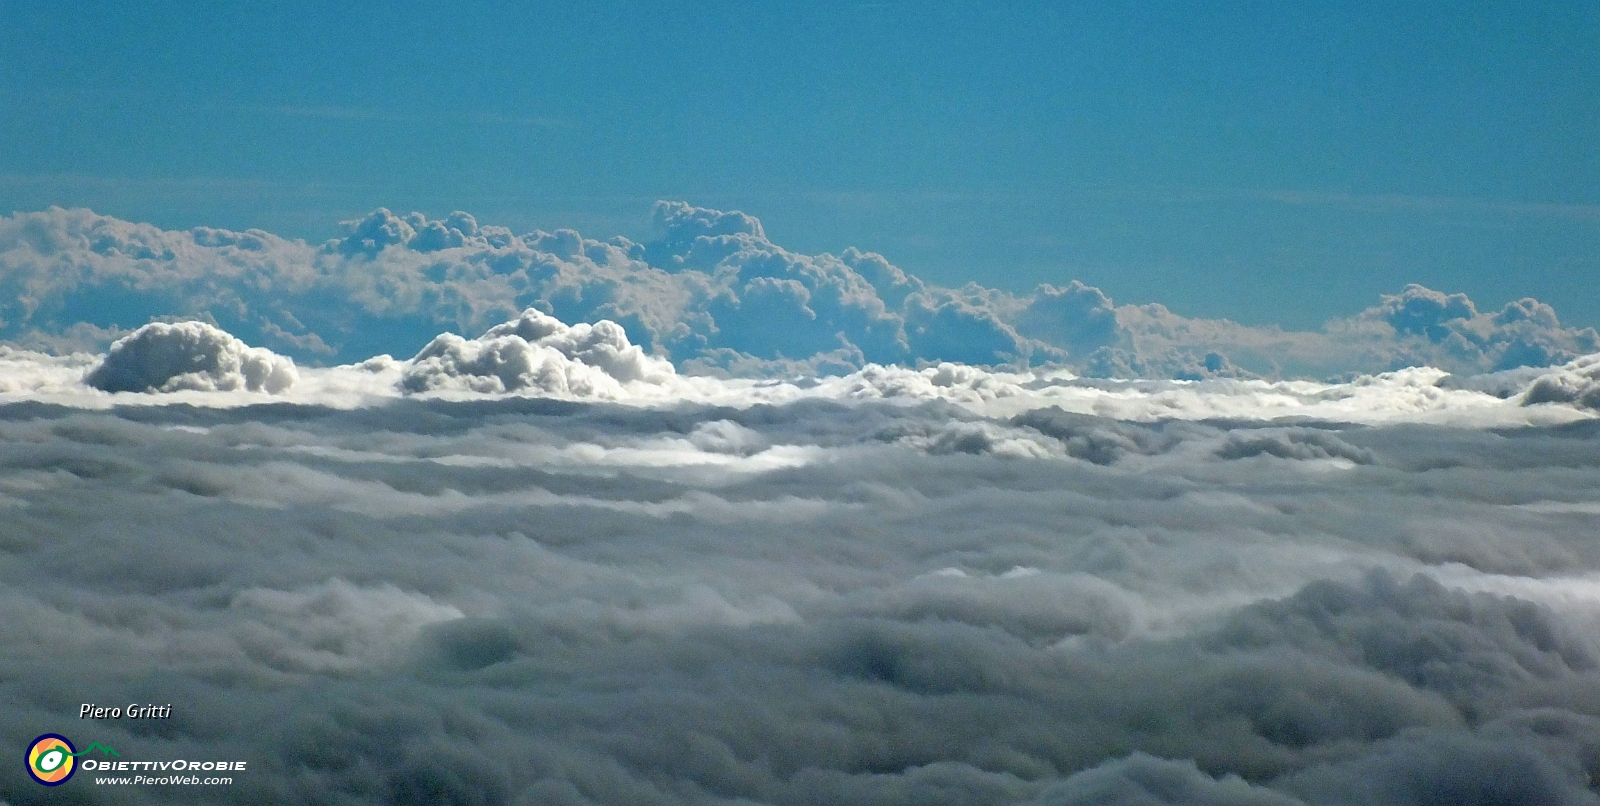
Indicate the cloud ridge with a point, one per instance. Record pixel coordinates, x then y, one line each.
710 292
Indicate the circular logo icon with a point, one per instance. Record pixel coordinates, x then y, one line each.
50 759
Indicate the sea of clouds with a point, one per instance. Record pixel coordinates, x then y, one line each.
702 521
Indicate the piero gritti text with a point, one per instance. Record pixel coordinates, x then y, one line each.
133 710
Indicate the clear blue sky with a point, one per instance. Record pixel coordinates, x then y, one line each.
1269 162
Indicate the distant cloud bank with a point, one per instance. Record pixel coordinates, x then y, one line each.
711 294
1035 413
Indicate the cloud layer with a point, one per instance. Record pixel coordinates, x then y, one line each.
536 355
711 293
882 588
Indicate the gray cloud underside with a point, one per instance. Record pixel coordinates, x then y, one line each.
711 293
525 600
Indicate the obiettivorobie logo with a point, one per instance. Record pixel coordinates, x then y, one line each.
52 760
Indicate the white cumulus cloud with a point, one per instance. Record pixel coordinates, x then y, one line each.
163 357
536 353
709 291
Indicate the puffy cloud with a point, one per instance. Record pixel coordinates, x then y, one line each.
942 325
710 292
535 353
1577 383
1523 333
162 357
683 224
1075 317
1423 311
382 229
1052 413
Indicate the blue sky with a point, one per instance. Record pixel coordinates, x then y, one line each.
1265 162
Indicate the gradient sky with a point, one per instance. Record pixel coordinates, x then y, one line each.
1267 162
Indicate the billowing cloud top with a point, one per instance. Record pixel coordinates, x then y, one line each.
536 355
1577 383
539 353
710 293
163 357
